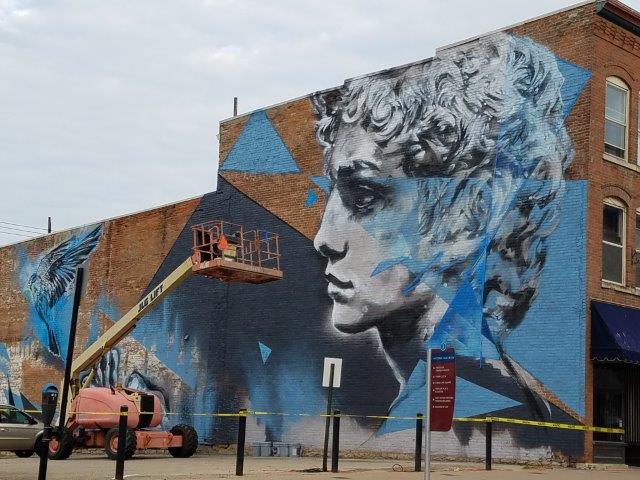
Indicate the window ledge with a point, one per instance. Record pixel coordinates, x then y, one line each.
620 288
620 161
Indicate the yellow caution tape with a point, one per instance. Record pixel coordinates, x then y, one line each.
564 426
516 421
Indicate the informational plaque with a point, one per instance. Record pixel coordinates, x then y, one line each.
443 389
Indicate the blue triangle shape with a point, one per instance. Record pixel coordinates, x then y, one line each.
460 327
575 79
472 400
259 149
312 198
264 352
323 182
410 401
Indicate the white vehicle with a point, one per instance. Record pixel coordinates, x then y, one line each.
20 433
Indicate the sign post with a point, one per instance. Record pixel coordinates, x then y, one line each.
330 379
441 396
427 431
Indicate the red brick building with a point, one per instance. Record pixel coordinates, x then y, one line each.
486 198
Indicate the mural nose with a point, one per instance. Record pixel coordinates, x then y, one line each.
332 254
330 241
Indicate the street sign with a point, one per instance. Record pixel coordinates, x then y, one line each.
337 372
443 389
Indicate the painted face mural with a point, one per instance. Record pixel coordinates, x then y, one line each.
361 298
446 179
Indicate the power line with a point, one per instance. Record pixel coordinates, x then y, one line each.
16 234
20 225
21 230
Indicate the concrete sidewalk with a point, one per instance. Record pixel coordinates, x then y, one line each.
161 467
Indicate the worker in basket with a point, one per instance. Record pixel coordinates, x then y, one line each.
226 248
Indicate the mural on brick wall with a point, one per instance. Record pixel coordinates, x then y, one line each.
443 218
46 285
446 181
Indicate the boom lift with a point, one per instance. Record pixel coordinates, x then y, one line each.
220 250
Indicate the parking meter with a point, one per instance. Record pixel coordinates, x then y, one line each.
49 403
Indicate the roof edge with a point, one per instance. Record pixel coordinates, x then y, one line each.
104 220
620 14
514 25
275 105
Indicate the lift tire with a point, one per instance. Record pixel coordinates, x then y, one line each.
111 443
61 444
189 441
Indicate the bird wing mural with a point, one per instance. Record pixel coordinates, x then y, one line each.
52 277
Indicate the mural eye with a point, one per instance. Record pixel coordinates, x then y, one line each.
363 200
360 197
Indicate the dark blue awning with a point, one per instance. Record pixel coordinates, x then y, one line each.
615 333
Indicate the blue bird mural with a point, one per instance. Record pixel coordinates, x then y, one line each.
50 281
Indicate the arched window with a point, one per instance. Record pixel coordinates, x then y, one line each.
613 240
616 118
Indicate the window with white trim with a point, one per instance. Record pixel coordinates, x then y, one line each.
613 241
616 118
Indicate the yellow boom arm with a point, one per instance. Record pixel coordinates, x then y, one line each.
122 327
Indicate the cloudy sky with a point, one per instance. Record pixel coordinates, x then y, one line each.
109 107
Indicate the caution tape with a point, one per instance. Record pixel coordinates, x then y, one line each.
515 421
564 426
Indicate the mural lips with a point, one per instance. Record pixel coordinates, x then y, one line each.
339 291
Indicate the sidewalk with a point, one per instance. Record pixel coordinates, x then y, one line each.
161 467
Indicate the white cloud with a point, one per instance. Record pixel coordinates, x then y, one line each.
112 107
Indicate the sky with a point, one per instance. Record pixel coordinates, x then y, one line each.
112 107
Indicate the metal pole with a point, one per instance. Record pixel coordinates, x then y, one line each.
488 444
327 424
427 443
122 442
418 455
335 447
44 452
235 106
70 347
242 429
